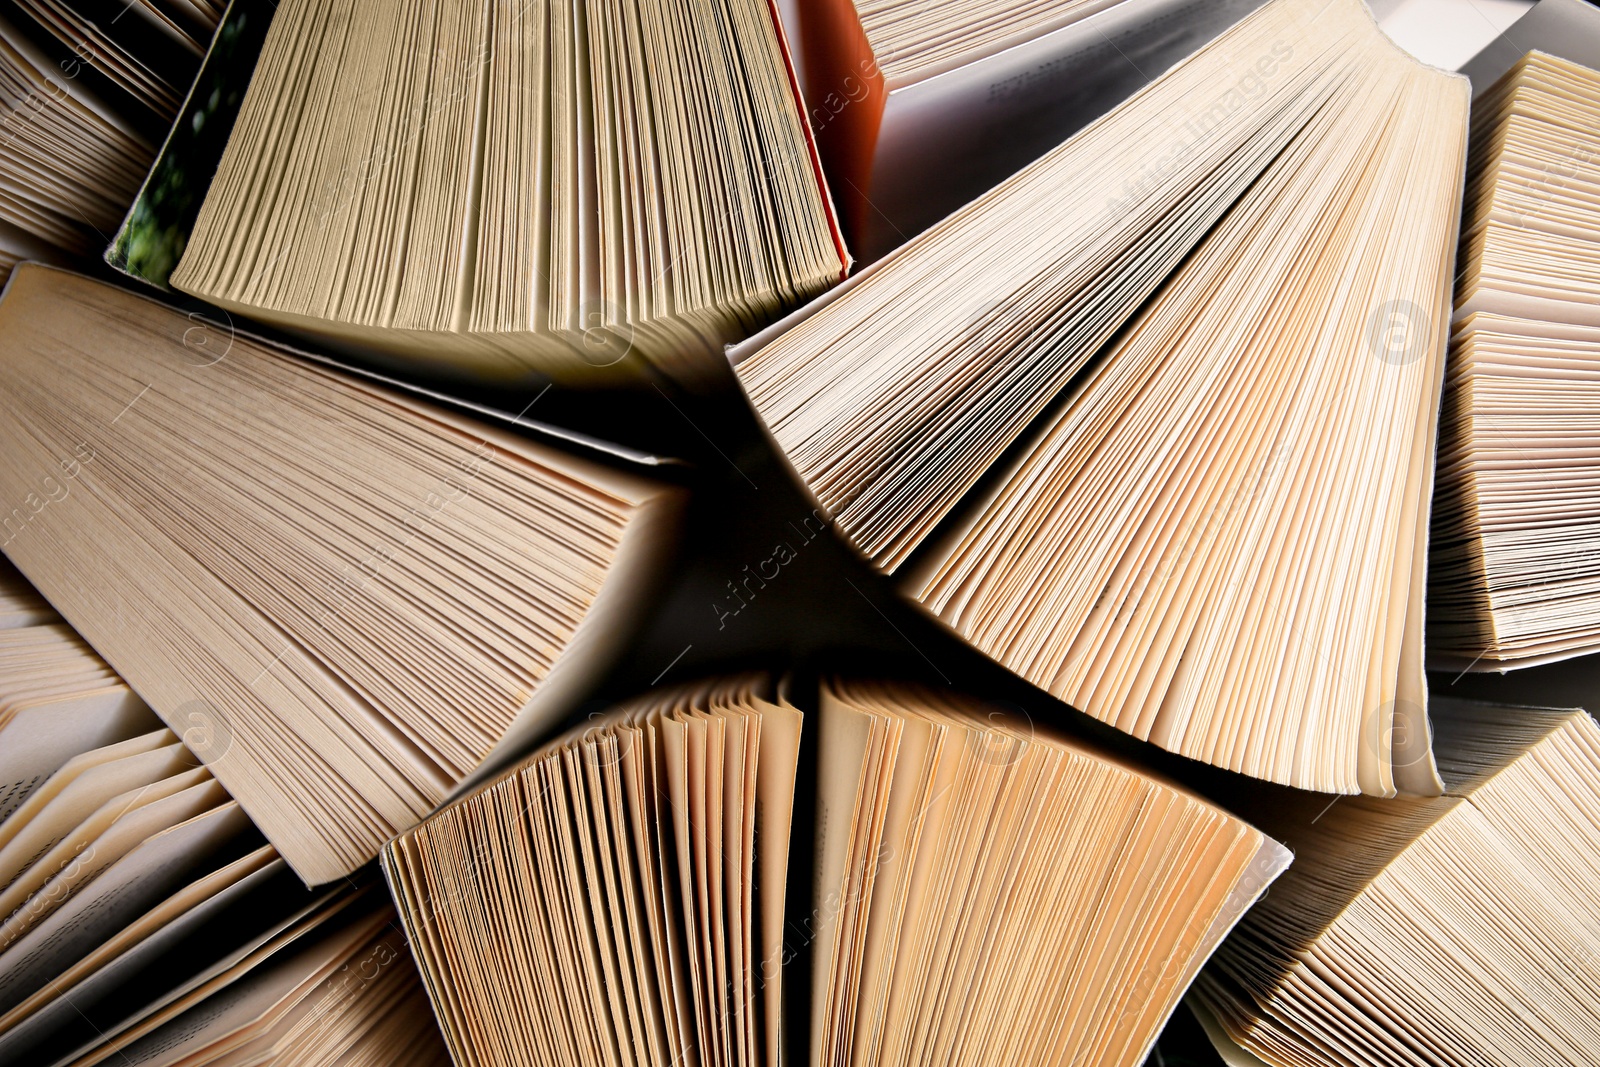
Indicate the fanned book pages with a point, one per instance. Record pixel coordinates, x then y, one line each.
1152 423
147 922
1515 576
345 993
328 984
57 697
86 92
978 890
362 597
118 853
144 53
636 870
987 889
922 105
1426 931
585 191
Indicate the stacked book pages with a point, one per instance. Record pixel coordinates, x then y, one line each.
1516 565
587 193
1451 929
369 596
971 888
1152 422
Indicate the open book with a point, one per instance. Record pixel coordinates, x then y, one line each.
640 866
1453 929
57 697
123 851
974 888
1152 422
344 992
364 597
143 919
586 191
1515 577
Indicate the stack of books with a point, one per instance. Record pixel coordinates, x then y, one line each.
1185 387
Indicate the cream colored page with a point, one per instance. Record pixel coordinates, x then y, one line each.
645 804
713 839
843 737
38 738
739 812
588 857
100 842
661 790
705 796
70 772
682 779
1410 755
910 798
173 907
917 920
85 796
775 784
629 897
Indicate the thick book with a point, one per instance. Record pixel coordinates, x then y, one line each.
966 885
1515 575
1422 931
365 596
1152 423
586 192
921 106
